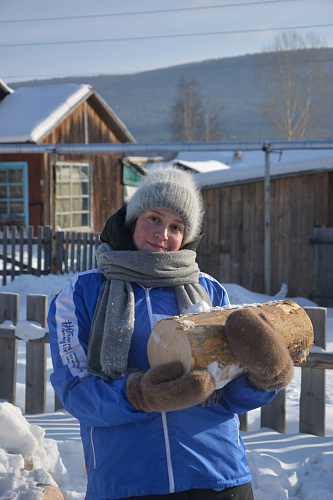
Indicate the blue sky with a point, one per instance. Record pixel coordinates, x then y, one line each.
47 38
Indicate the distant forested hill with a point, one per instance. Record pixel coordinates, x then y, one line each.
229 85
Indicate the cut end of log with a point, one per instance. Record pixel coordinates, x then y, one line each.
52 493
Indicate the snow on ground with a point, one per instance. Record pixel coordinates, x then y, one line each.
284 466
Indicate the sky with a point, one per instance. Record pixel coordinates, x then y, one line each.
44 39
289 466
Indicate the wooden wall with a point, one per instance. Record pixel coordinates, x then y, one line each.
106 179
232 249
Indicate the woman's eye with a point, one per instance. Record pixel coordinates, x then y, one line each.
154 219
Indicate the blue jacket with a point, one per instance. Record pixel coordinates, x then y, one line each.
128 452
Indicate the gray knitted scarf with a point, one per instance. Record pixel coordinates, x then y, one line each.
113 321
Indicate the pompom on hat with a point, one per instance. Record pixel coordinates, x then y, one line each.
173 189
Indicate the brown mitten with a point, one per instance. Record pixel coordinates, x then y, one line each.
260 348
166 388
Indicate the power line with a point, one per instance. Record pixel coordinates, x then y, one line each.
154 37
136 13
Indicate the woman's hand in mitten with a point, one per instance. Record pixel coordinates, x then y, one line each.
260 348
167 387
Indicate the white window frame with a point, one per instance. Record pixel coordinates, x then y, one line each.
71 196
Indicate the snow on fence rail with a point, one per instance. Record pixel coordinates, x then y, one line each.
66 251
273 415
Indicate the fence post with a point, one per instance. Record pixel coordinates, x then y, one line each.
313 383
9 310
36 358
273 414
59 251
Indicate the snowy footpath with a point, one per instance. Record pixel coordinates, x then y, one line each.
46 449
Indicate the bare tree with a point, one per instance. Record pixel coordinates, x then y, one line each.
190 119
295 73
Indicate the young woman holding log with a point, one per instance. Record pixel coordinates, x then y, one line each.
162 431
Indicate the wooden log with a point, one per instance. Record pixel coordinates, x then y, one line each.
52 493
199 341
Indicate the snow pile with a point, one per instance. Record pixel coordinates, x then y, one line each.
28 460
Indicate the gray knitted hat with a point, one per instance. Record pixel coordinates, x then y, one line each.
171 188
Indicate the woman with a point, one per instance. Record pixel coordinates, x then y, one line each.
154 432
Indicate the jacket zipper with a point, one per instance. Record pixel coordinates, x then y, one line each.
163 414
93 447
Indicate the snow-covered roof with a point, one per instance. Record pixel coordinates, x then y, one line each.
241 159
201 161
4 89
251 174
30 113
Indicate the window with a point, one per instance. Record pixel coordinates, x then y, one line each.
73 206
14 192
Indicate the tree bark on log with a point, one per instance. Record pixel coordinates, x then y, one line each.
199 341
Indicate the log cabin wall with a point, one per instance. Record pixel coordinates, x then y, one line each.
232 248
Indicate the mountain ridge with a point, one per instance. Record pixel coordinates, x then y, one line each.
230 86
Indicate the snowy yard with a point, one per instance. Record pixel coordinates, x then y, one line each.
283 466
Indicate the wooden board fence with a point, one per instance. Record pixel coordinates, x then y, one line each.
66 251
273 415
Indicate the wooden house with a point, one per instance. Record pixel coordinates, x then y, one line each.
77 191
301 227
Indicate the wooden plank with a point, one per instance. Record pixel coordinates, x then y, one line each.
247 250
321 188
273 414
29 248
313 381
72 246
322 360
57 403
323 265
21 244
85 252
66 251
312 402
318 317
259 238
13 245
280 232
91 251
5 250
36 358
47 249
9 311
59 251
39 250
96 245
243 421
236 235
78 252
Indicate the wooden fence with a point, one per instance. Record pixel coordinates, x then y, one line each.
273 415
65 251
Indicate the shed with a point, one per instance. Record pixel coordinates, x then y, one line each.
301 220
88 187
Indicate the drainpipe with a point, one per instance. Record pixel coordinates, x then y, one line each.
267 219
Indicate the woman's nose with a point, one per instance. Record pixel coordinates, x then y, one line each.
162 232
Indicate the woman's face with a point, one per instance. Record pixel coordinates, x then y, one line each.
158 230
